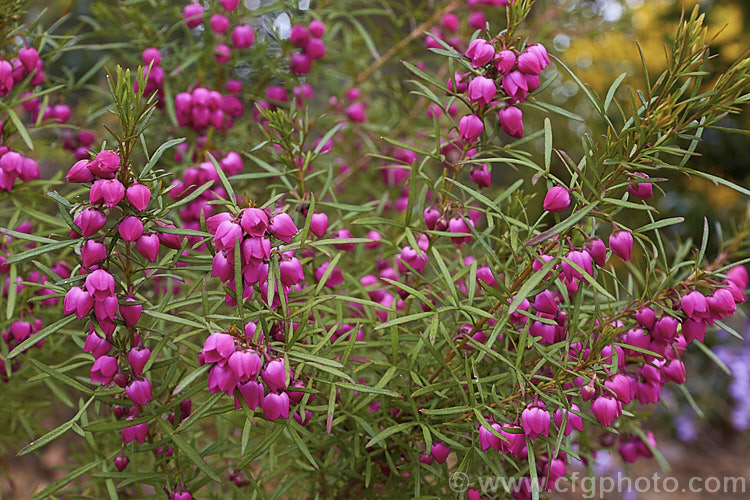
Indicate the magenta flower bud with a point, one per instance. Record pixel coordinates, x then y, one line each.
275 406
221 378
104 369
376 237
458 224
621 244
148 246
112 192
222 53
139 391
92 253
470 127
222 267
334 279
545 303
96 345
243 36
485 277
192 15
643 190
692 330
342 234
299 35
78 301
29 57
254 221
282 227
721 304
535 420
219 23
319 224
229 5
440 452
356 112
100 284
450 22
738 275
106 164
482 90
674 371
150 54
620 386
255 250
317 28
597 250
646 317
431 216
694 305
426 459
529 63
299 64
137 358
648 392
106 308
477 20
227 234
606 409
515 86
130 229
291 272
90 221
540 52
489 440
574 422
480 52
79 172
218 347
136 433
557 199
274 375
130 313
251 392
121 462
511 121
245 365
138 196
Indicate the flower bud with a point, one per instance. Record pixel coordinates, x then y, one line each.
138 196
621 244
470 127
557 199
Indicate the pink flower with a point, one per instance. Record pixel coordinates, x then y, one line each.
227 234
218 347
221 378
317 28
243 36
90 221
535 420
219 23
135 432
100 284
254 221
251 392
470 127
130 228
79 172
477 20
104 369
274 375
282 227
245 364
529 63
511 121
229 5
482 90
574 420
606 409
515 86
192 14
334 279
597 250
643 190
440 452
106 164
275 406
149 54
148 246
78 301
130 313
291 272
376 237
137 358
138 196
92 253
139 391
299 35
356 112
621 244
112 191
480 52
557 199
315 49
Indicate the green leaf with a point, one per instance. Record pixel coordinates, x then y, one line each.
190 452
19 125
384 434
44 333
612 89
